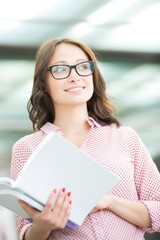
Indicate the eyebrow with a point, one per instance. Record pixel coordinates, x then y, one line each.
64 62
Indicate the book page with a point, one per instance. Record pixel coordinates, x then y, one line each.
9 199
6 183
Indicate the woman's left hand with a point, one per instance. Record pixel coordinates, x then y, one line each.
103 204
133 211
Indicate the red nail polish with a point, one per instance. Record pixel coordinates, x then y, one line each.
63 190
69 194
55 190
70 202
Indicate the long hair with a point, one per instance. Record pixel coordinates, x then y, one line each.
40 105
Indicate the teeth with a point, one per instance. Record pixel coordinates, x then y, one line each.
74 89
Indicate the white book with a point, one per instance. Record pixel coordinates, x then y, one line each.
57 163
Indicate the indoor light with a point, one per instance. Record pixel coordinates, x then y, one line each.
80 29
109 11
150 16
9 25
22 10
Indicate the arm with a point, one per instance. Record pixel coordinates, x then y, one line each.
33 233
50 218
144 210
147 181
134 212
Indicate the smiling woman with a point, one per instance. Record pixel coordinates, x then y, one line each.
69 97
126 39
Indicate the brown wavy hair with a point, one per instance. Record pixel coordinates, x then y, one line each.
40 105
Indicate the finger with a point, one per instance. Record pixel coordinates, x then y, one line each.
27 208
57 208
67 213
62 208
51 200
59 202
62 215
66 203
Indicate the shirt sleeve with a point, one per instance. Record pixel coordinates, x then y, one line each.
22 227
147 180
20 154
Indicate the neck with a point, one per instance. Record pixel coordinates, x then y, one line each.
71 119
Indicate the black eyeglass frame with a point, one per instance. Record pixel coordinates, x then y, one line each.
49 69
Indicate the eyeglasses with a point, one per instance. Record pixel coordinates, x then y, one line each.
61 71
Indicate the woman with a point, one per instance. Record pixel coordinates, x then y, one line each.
69 97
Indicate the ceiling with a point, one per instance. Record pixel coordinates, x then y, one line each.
115 25
125 33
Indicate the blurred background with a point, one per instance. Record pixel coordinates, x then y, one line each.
124 34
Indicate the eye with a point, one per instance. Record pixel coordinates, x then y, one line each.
59 69
83 66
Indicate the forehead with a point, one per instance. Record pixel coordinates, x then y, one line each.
68 53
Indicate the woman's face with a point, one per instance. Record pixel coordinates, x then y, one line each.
75 89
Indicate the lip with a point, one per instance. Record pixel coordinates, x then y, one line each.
75 89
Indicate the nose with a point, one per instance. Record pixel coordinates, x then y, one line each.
73 75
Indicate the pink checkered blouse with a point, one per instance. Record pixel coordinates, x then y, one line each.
120 150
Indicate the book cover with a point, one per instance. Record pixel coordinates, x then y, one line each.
57 163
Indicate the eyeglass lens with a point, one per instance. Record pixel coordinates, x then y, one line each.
63 71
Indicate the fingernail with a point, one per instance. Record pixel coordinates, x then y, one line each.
69 194
63 190
70 202
55 190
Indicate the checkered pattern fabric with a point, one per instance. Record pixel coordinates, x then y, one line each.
119 149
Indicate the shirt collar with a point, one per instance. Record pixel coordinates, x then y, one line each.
49 127
93 123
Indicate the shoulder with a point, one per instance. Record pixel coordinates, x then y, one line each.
120 131
122 135
29 142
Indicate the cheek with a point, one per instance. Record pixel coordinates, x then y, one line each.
56 95
91 91
91 87
53 90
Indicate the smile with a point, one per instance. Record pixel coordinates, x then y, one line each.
74 89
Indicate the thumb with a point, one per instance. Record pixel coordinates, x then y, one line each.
27 208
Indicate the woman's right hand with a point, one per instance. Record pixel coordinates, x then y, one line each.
52 217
